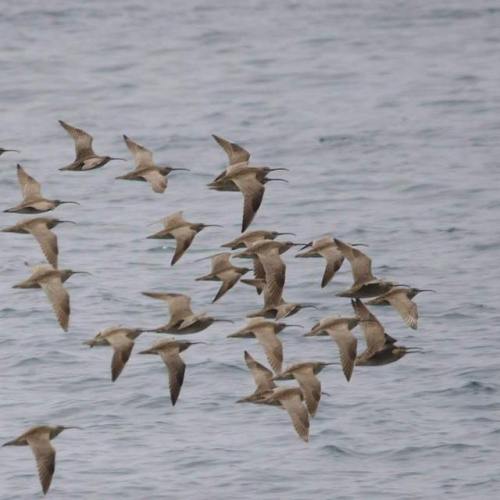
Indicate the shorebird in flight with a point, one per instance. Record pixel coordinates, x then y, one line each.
247 239
121 340
38 438
263 378
178 228
182 318
223 270
40 229
145 168
170 350
86 158
33 200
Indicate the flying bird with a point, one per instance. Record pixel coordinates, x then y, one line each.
245 240
263 378
170 350
38 438
145 168
178 228
222 270
33 200
86 158
40 229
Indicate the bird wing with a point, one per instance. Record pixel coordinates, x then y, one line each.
179 306
229 278
235 153
298 413
83 140
253 192
406 308
311 388
184 237
156 179
176 369
221 262
45 456
46 239
174 220
272 346
58 297
334 260
143 157
372 328
361 264
347 344
29 186
262 376
275 273
122 346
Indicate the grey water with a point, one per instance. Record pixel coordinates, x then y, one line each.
387 114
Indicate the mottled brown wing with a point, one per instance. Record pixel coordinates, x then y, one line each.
30 188
156 179
347 344
311 388
229 279
275 272
122 347
221 262
298 413
361 264
372 329
262 376
143 157
58 297
334 260
83 141
184 237
253 192
176 369
235 153
47 241
406 308
45 456
272 346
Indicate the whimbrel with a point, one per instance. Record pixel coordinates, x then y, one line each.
263 378
407 309
247 239
3 150
265 331
291 399
365 284
146 170
40 228
410 293
223 270
38 438
282 310
50 280
33 201
178 228
305 374
182 318
121 340
85 159
170 350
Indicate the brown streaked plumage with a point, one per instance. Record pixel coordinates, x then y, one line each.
365 284
182 318
178 228
40 228
318 329
170 350
410 293
3 150
33 200
407 309
263 378
245 240
86 158
50 280
305 374
235 153
38 439
146 170
291 399
121 340
265 331
223 270
282 310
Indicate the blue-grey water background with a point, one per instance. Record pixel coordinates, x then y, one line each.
388 116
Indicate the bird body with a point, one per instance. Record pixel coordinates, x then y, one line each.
263 378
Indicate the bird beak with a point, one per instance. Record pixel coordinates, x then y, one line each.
11 150
299 244
82 272
359 245
193 343
276 179
72 427
113 158
72 202
312 306
307 245
212 225
67 221
414 349
425 290
276 169
224 320
186 169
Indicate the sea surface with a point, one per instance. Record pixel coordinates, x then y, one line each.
387 114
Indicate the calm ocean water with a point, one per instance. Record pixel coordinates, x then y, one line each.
388 116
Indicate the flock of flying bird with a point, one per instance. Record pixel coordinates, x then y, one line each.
261 247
